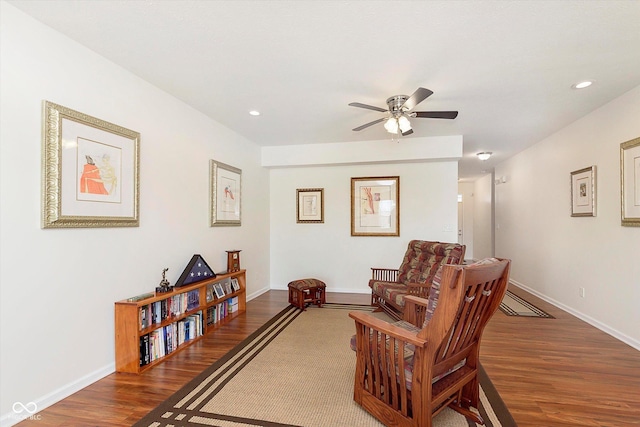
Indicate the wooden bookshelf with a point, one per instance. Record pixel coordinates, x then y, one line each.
171 321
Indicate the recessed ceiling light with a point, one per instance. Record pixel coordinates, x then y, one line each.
583 84
254 112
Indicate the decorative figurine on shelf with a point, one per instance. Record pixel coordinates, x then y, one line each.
165 286
233 261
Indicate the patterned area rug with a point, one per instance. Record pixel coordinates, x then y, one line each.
513 305
297 370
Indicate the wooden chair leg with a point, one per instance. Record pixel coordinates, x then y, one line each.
467 413
462 405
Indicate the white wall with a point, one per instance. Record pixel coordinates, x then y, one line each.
58 286
428 206
483 217
467 191
553 253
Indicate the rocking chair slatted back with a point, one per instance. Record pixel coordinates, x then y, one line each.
405 377
473 315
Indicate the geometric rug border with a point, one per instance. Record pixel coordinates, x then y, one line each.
186 417
539 313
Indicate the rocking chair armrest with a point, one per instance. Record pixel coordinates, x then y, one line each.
414 300
387 328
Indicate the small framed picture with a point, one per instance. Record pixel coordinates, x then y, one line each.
310 205
630 182
226 285
583 192
234 284
226 194
218 290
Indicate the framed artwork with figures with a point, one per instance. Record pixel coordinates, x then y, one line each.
630 182
375 206
225 194
310 205
583 192
90 171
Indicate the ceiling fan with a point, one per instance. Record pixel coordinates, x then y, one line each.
399 110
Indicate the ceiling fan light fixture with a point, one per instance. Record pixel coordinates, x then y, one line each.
484 155
404 124
391 125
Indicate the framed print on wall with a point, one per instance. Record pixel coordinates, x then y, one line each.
583 192
310 205
226 194
630 182
90 171
375 206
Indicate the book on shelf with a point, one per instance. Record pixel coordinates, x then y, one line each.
193 300
141 297
143 317
144 350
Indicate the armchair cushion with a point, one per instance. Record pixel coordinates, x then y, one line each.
421 263
434 293
422 259
392 293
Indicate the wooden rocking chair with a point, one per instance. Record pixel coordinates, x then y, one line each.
404 375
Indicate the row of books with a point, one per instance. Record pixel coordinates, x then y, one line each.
222 288
220 311
172 306
162 341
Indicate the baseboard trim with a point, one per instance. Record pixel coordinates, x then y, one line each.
593 322
257 293
56 396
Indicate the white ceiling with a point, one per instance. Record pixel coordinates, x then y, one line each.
506 66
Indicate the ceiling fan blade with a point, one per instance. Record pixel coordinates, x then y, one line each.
416 98
368 107
370 124
409 132
435 114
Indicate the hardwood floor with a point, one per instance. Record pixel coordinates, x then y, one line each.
550 372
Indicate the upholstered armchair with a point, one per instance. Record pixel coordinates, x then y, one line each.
415 275
407 374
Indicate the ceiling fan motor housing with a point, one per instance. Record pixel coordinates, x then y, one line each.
395 104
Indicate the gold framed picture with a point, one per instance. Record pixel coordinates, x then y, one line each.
583 192
90 171
310 205
226 194
630 183
375 206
